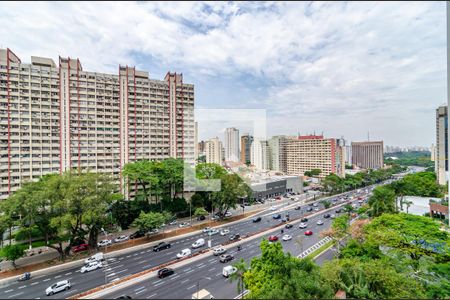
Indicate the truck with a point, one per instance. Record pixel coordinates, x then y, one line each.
202 294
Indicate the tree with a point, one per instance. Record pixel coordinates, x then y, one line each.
149 221
13 253
232 189
382 201
200 211
241 268
326 203
144 172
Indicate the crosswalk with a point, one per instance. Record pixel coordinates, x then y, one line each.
315 247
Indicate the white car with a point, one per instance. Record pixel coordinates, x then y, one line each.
228 270
206 229
153 231
104 243
302 225
58 287
315 204
215 218
219 251
184 224
213 232
320 222
224 232
121 238
273 208
174 222
94 265
198 243
95 257
287 237
316 209
184 253
228 214
333 216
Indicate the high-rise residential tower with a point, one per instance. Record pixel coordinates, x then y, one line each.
441 155
277 153
259 154
214 151
232 144
246 143
57 117
368 155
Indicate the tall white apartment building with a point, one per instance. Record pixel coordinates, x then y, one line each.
214 151
259 154
441 158
277 153
232 145
58 117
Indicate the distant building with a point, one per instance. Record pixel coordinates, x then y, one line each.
277 153
433 152
246 143
441 159
368 155
214 151
276 186
232 144
306 153
259 155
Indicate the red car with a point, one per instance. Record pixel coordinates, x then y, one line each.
79 248
273 238
308 232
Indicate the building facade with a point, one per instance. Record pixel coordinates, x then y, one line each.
305 153
232 145
277 153
59 117
368 155
246 143
259 155
214 151
441 157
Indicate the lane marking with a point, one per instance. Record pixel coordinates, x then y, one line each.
70 273
137 293
9 291
21 287
174 277
139 288
46 279
115 279
58 276
152 295
212 269
35 283
158 284
191 287
184 281
15 295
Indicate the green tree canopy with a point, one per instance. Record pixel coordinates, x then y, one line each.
382 201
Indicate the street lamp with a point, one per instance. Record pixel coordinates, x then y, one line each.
198 284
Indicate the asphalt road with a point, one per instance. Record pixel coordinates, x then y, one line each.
137 261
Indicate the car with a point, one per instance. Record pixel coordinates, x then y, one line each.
80 248
257 219
124 297
273 208
228 270
276 216
219 251
153 231
298 208
284 220
288 226
316 209
184 253
315 204
214 218
198 243
278 197
333 216
228 214
60 286
226 258
235 237
319 222
310 204
302 225
164 272
206 229
93 265
25 276
183 224
304 219
137 234
360 201
273 238
173 222
326 216
247 204
308 209
338 210
121 238
201 218
104 243
161 246
286 237
308 232
96 257
224 232
213 232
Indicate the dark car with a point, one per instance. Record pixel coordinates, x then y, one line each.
247 204
24 276
288 226
284 220
277 216
298 208
125 297
338 210
311 204
161 246
201 218
235 237
304 220
164 272
226 258
79 248
256 220
326 216
137 234
309 209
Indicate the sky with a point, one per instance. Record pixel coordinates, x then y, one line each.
341 68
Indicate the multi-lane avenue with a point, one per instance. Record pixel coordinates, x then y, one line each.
185 279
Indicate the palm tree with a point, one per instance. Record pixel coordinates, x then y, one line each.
241 267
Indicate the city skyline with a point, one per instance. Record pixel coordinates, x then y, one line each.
378 65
